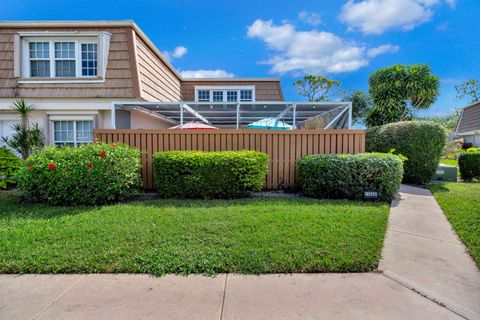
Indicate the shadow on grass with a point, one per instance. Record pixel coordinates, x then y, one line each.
11 205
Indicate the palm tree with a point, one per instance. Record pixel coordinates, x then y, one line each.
24 139
23 109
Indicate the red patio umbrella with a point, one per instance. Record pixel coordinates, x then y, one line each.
194 126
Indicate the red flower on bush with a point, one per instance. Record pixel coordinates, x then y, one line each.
113 145
52 166
29 166
103 154
90 166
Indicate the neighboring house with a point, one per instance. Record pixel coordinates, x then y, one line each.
468 125
73 71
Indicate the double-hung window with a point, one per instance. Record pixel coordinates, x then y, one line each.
89 59
203 95
217 96
39 58
225 94
72 132
63 57
245 95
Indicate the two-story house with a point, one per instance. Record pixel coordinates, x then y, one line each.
72 71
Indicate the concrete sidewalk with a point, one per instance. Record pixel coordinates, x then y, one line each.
426 274
299 296
422 252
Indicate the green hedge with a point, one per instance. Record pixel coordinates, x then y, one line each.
347 176
9 164
207 175
469 165
91 174
421 142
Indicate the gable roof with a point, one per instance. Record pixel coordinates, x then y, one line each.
469 120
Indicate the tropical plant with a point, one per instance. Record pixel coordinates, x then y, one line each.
421 142
398 90
469 88
92 174
207 175
361 104
9 164
315 88
25 138
350 175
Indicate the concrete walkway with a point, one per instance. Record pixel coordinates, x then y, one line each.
426 275
422 252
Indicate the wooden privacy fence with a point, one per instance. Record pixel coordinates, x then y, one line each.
283 147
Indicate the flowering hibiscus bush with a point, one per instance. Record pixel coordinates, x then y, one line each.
91 174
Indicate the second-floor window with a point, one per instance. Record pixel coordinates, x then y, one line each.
61 58
225 94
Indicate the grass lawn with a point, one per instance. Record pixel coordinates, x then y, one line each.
174 236
461 204
449 162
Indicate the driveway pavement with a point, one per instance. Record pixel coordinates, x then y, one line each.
426 274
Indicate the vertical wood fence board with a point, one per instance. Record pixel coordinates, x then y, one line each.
283 147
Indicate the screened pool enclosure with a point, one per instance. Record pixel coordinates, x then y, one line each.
276 115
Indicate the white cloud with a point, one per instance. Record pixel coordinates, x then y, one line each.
310 18
385 48
451 3
309 51
378 16
178 52
218 73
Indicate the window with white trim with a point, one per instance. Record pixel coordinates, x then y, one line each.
89 59
232 96
39 57
63 57
225 94
217 96
203 95
72 132
245 95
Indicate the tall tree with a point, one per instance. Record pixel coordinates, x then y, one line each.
315 88
24 138
398 90
469 88
361 104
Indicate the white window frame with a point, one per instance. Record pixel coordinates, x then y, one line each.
225 89
74 119
22 57
26 68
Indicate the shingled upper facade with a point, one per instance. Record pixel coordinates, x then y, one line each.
73 71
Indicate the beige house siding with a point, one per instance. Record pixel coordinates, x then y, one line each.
157 82
470 119
118 82
264 90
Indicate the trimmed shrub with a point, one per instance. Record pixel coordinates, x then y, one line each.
95 173
421 142
207 175
469 165
347 176
9 164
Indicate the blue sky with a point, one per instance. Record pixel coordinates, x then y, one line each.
343 40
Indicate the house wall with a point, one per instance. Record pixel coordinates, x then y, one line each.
264 90
473 139
118 82
157 82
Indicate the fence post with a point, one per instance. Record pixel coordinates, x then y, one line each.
294 116
181 115
238 116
